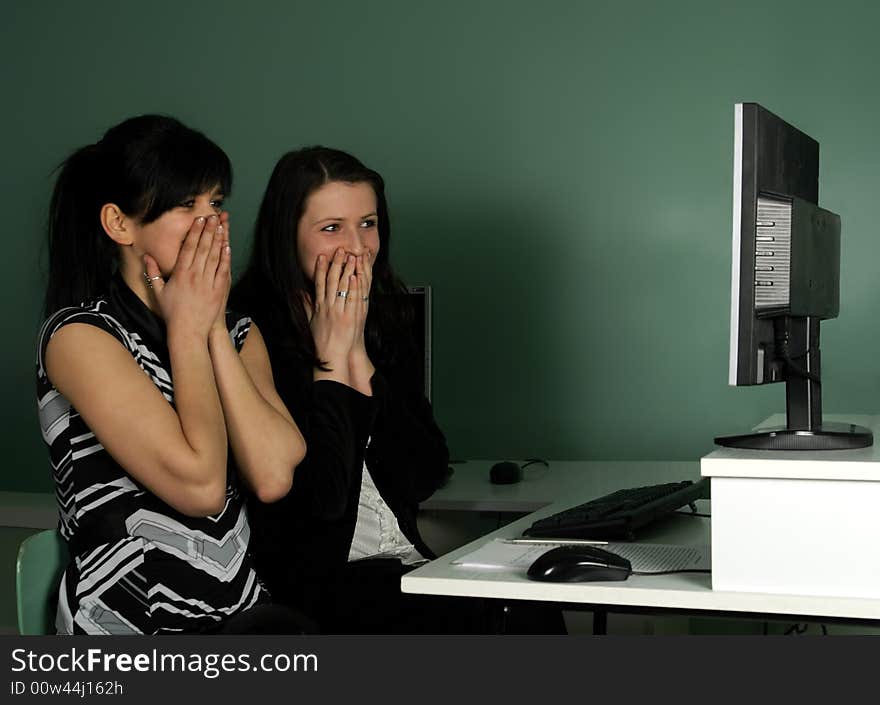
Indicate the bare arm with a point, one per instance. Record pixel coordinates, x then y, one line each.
180 457
265 441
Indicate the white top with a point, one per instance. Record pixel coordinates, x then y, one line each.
377 532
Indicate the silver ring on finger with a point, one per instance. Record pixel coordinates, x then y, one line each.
342 294
365 298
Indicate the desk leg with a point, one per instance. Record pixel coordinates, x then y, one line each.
525 618
600 621
499 619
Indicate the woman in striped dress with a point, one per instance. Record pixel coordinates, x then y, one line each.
155 402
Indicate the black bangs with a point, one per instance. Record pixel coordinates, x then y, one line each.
151 163
183 165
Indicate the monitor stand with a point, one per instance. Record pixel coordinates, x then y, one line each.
804 429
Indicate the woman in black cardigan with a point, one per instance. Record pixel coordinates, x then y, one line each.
322 290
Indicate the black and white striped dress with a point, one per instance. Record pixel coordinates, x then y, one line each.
137 566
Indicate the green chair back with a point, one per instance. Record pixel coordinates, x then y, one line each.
42 558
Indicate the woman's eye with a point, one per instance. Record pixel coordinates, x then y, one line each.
189 203
217 204
368 223
332 228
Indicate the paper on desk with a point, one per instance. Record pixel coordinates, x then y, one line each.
659 558
644 557
500 554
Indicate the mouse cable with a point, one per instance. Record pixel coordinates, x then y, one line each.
670 572
692 514
534 461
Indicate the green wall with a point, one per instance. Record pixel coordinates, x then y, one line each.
560 172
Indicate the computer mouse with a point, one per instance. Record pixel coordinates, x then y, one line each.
505 473
576 564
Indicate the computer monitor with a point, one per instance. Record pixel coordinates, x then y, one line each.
785 279
410 357
420 305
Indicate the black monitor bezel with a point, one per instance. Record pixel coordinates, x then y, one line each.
775 158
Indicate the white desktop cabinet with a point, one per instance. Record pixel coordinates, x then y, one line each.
798 523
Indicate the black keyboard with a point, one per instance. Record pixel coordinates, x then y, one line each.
621 513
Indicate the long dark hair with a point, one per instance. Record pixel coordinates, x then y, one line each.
145 165
275 268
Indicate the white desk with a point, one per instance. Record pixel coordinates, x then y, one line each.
799 507
470 490
685 592
469 506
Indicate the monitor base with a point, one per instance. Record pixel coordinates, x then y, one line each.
829 436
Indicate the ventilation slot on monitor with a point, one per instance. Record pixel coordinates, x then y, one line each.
772 255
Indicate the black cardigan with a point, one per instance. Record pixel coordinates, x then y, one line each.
302 541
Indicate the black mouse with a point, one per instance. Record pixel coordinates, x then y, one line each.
505 473
579 564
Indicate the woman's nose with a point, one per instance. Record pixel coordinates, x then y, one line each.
355 243
207 208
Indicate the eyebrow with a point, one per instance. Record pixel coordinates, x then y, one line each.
338 217
332 217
